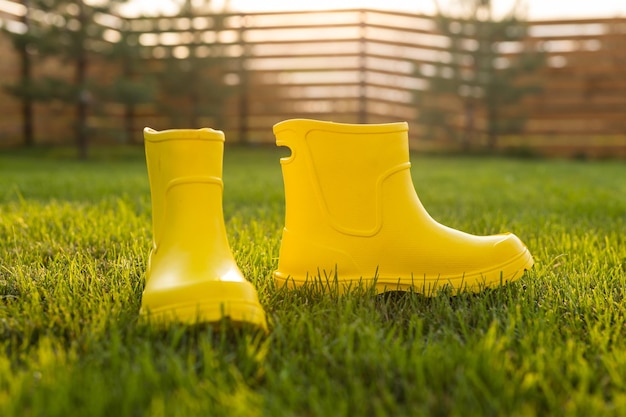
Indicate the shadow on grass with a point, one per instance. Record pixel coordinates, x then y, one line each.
448 309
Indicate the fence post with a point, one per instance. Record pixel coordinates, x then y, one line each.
26 75
362 67
243 82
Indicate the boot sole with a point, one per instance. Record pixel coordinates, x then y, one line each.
239 313
428 286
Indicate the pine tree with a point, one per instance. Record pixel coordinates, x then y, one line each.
68 32
22 37
192 82
480 77
134 85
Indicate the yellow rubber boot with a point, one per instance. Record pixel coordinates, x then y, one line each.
352 214
192 276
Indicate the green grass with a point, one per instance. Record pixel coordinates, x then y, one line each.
74 240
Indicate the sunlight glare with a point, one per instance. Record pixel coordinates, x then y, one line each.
536 9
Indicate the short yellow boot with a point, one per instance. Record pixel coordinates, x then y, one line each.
352 214
192 276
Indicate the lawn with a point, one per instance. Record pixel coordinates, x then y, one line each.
74 240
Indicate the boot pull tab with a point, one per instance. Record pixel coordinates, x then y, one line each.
285 145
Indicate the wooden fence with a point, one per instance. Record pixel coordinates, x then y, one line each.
359 66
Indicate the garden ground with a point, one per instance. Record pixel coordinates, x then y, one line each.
74 240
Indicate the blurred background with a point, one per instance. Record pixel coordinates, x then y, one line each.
473 76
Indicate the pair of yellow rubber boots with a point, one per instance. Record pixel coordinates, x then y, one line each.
352 215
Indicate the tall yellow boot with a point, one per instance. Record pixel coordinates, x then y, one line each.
352 214
192 275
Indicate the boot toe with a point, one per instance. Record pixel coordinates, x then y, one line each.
208 301
510 259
